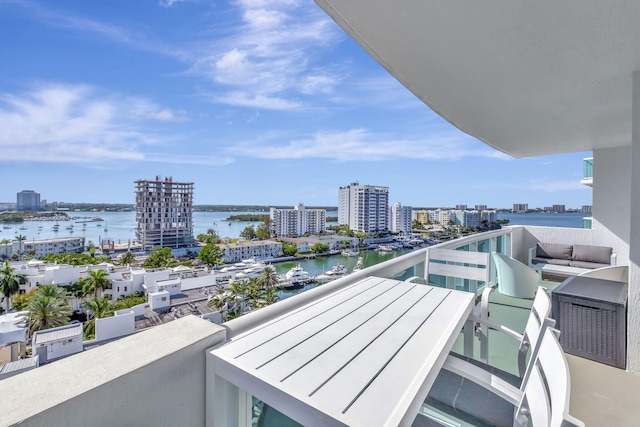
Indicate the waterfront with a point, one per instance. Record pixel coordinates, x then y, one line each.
120 226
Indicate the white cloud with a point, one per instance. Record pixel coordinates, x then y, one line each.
270 56
77 124
361 145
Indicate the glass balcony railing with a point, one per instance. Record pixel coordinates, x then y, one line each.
587 172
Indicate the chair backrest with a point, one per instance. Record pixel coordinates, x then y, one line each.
537 323
515 279
476 266
546 395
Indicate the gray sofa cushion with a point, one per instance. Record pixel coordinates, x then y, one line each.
553 250
582 264
596 254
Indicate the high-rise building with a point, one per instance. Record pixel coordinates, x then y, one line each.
586 208
558 209
400 218
520 207
28 200
363 207
297 221
465 218
481 208
164 211
461 207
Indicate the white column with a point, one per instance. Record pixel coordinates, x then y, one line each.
633 326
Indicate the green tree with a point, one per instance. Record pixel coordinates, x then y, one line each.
20 238
6 247
210 237
21 301
159 257
127 258
92 248
263 231
10 282
53 291
319 248
47 312
210 255
98 308
249 232
220 301
268 278
289 249
95 282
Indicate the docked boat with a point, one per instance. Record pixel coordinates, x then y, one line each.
295 278
385 248
254 270
336 272
350 252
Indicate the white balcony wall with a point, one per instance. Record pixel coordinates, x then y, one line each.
612 207
155 377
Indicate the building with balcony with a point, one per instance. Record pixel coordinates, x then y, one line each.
297 221
400 218
28 200
529 80
40 248
164 210
364 207
520 207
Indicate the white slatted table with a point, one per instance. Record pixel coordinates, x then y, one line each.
366 355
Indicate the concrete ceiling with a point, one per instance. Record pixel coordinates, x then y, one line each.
527 77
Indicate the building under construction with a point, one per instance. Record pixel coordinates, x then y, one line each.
164 213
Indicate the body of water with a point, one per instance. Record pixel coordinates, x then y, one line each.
120 226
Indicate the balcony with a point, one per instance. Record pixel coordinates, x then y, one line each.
120 393
587 176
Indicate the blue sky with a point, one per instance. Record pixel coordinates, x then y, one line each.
256 101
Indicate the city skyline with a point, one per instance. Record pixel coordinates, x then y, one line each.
257 102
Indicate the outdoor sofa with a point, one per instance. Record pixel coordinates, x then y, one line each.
569 260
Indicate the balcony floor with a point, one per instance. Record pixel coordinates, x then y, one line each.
601 395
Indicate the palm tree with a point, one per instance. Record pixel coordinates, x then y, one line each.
220 301
20 238
6 247
269 278
10 283
46 312
127 258
96 281
98 308
54 291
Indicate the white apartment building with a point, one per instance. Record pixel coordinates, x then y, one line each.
297 221
40 248
488 215
400 218
465 218
263 249
440 216
28 200
481 207
164 211
520 207
363 207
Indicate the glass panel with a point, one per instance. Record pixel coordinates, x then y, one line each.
264 415
588 168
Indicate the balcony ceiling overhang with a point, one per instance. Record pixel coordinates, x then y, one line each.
528 78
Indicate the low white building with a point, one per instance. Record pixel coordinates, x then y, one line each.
54 343
40 248
262 249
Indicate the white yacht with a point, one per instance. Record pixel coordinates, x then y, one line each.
359 265
336 272
350 252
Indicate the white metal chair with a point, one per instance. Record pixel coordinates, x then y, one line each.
542 399
515 279
537 322
452 264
